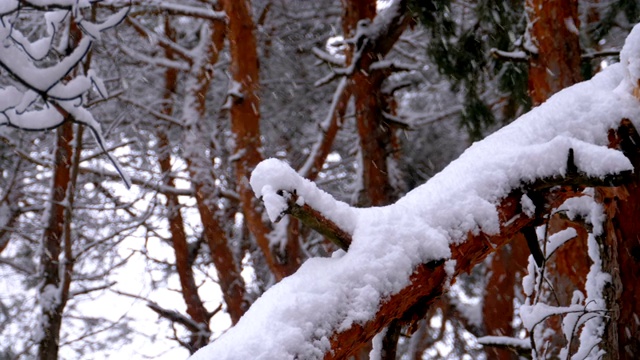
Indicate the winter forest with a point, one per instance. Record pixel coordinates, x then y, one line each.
293 179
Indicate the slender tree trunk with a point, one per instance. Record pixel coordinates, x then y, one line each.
184 261
245 124
201 171
376 136
497 307
57 271
54 288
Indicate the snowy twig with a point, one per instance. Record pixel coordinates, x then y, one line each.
599 54
140 182
92 289
175 316
522 347
325 56
515 56
396 121
23 268
162 40
165 7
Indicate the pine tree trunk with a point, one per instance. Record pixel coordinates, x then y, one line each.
553 30
245 124
620 252
53 291
497 306
201 170
375 134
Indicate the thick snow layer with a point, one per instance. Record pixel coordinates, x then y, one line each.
296 317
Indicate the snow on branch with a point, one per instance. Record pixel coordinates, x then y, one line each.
505 341
516 56
175 8
395 265
372 37
326 57
48 91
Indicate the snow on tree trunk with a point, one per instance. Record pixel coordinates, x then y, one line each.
620 246
554 64
376 135
56 240
54 288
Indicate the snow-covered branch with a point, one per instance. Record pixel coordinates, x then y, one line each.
374 38
151 7
55 90
402 256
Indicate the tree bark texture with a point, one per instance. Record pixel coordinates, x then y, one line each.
429 281
553 30
56 272
552 67
507 264
620 252
375 134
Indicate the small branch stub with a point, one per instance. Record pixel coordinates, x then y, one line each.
315 220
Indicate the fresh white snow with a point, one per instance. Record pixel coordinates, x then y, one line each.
297 317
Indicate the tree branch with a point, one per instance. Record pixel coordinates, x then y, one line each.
315 220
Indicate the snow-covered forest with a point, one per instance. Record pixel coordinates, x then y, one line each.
292 179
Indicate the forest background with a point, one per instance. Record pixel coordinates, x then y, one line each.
130 130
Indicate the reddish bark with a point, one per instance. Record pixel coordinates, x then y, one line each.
553 31
569 265
497 308
56 239
375 135
245 124
52 283
628 252
554 66
620 251
227 268
195 307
